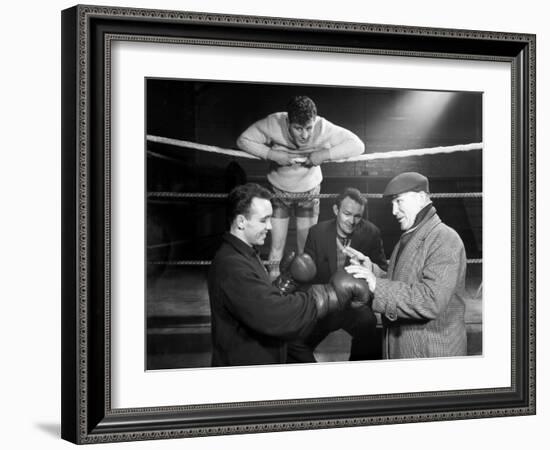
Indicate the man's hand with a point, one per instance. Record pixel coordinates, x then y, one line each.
280 157
318 157
362 272
359 259
356 257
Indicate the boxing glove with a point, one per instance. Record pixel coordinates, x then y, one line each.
295 270
351 290
342 292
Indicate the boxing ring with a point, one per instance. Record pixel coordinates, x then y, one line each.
361 158
190 283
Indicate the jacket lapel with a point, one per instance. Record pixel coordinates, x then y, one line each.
412 246
391 265
331 247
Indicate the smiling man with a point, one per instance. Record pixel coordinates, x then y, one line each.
253 319
326 244
296 142
421 298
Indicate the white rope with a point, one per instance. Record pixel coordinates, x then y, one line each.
265 263
203 147
416 152
364 157
302 195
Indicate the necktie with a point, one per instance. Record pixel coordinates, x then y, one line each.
345 241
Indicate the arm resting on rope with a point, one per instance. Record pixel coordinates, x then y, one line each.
342 142
258 139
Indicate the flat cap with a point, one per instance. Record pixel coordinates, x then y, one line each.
407 182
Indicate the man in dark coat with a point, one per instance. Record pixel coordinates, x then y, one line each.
252 319
325 244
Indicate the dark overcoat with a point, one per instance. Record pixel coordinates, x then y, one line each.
251 320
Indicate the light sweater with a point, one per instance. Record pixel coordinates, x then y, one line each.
272 133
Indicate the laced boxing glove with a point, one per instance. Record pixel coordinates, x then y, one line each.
342 292
295 270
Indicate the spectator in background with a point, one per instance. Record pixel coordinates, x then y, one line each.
326 243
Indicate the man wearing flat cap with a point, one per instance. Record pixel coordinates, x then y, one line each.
421 297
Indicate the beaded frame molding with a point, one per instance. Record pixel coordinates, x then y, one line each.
87 35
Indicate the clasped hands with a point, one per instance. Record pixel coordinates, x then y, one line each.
310 157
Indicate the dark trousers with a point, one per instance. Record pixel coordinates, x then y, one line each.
359 323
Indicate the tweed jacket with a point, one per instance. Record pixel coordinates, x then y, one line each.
251 320
321 246
421 300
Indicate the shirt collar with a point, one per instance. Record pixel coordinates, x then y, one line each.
240 245
424 214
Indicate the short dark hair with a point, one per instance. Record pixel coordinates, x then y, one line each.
240 199
301 110
352 193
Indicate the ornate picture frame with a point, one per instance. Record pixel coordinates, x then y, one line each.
88 414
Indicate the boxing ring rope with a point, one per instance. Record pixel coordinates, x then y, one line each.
207 262
178 195
364 157
242 154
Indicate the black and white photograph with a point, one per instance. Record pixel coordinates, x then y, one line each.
292 223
